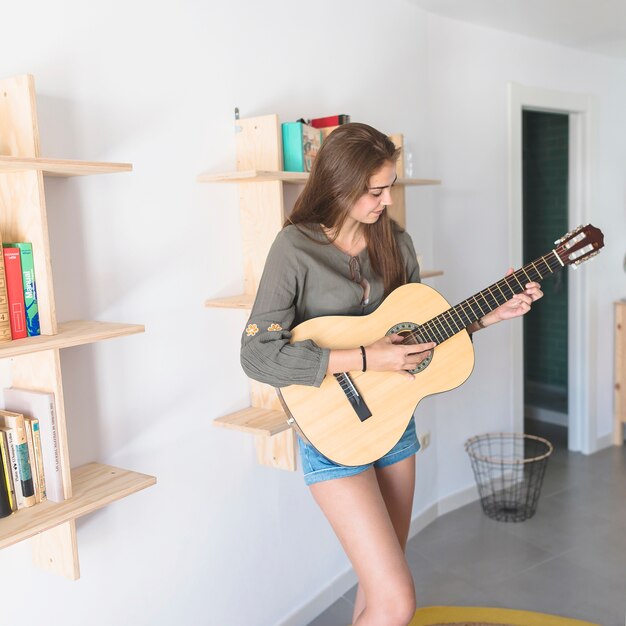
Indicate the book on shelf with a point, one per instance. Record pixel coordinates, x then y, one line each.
31 458
301 143
329 123
330 120
15 292
20 461
36 460
7 474
10 466
326 131
5 321
29 285
6 499
41 475
41 406
9 437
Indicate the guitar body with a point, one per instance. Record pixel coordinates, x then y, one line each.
325 416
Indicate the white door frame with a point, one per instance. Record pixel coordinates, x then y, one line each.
582 430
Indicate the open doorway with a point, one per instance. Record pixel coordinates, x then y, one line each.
581 352
545 187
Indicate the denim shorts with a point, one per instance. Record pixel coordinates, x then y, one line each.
316 467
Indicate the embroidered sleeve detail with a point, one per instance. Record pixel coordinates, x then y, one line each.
252 330
274 327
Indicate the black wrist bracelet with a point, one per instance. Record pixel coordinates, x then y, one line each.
364 358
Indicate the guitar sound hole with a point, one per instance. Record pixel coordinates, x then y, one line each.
405 329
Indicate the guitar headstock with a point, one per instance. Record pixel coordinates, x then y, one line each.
579 245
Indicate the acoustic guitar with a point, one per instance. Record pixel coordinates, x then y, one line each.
356 417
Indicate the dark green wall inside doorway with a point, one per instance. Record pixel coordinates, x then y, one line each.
545 202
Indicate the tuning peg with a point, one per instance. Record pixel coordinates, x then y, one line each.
568 235
558 242
577 262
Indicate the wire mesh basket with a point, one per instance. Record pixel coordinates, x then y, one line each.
509 470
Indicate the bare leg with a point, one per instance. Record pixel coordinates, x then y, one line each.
356 509
397 485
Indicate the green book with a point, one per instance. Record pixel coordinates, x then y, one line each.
30 286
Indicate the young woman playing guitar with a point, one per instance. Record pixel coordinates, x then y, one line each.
340 253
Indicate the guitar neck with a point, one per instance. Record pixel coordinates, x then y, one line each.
457 318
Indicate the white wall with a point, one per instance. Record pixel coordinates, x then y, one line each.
221 540
469 71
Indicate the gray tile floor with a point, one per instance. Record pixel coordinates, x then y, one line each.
569 559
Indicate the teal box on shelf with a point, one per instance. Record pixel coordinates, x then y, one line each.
300 145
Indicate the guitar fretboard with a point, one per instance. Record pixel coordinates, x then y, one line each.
457 318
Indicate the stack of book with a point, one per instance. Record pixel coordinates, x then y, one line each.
19 312
303 139
329 123
30 470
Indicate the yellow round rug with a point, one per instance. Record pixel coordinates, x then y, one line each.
481 616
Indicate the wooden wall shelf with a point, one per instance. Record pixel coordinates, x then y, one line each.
75 333
34 362
256 421
94 486
299 178
246 300
243 301
60 167
430 274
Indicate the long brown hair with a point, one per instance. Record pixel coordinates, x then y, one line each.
340 175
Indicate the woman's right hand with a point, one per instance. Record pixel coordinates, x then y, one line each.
391 354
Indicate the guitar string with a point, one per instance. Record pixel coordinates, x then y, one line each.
503 285
434 329
347 388
348 393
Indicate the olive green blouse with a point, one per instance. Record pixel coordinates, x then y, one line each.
305 276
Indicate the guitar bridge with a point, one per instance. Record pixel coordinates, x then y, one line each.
354 397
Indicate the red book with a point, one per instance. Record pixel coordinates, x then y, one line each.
331 120
15 292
